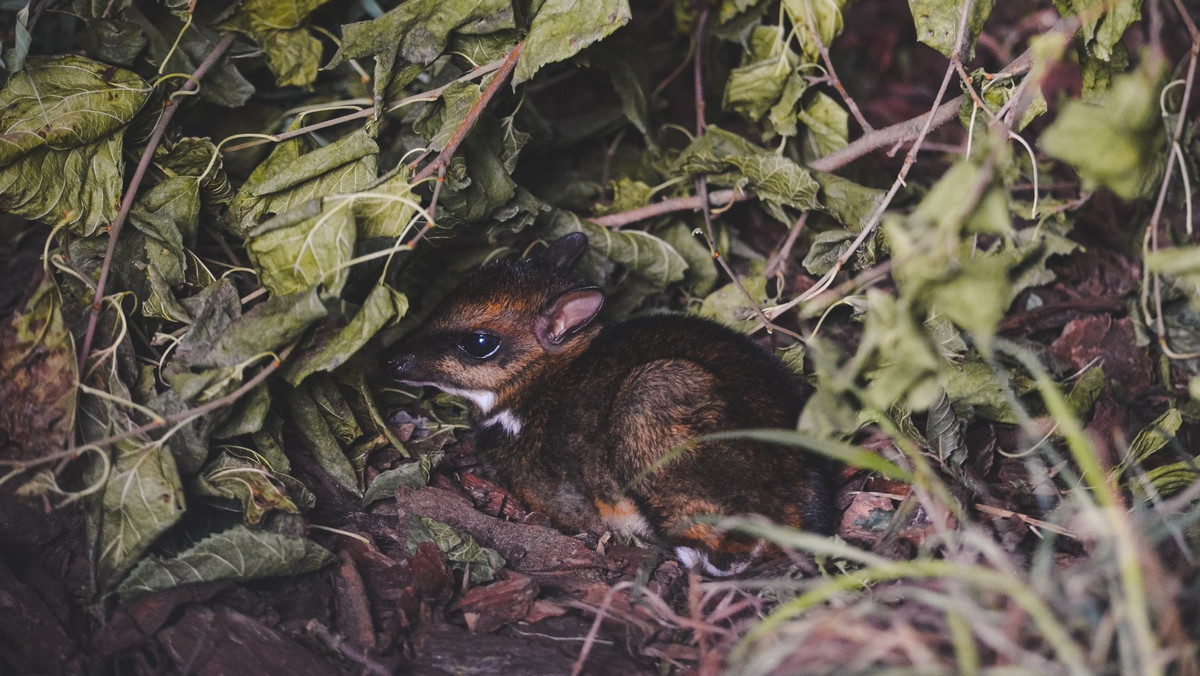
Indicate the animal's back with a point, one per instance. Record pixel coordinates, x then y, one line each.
632 410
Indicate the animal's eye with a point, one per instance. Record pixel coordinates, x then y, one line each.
479 345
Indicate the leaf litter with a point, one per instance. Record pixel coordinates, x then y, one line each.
1002 348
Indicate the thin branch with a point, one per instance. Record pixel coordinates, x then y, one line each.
1168 173
183 416
909 130
702 182
160 128
909 160
833 77
778 263
718 198
432 211
443 158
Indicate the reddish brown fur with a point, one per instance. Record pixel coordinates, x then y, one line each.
589 425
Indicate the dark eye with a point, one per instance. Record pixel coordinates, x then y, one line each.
479 345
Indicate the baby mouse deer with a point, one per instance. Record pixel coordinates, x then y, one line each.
598 425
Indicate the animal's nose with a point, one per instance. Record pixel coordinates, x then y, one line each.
400 366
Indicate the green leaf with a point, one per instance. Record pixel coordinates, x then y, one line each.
944 431
237 554
410 474
280 29
1086 391
563 28
267 327
826 18
416 32
1154 437
463 552
1181 263
387 209
291 177
113 41
1166 480
737 162
382 307
184 50
320 440
1130 159
756 86
827 126
60 149
730 306
702 272
294 257
38 372
455 103
850 203
1103 22
903 367
937 24
974 388
640 252
245 481
627 194
826 248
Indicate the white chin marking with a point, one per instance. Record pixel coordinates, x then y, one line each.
693 557
482 398
505 419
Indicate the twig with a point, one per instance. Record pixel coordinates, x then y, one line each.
779 261
198 411
160 128
694 203
910 159
880 138
443 158
601 611
432 211
909 130
1156 216
702 182
833 78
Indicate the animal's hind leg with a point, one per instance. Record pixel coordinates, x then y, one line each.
684 516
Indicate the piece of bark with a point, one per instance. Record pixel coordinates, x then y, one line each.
224 642
489 607
353 610
531 550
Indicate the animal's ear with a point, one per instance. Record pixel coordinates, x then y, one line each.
564 253
567 314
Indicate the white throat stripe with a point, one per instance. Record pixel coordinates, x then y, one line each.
505 419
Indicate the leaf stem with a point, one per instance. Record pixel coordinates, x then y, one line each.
667 206
160 128
443 159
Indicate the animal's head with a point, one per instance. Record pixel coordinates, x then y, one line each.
506 322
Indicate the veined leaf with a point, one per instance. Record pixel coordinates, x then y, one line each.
463 551
62 120
410 474
278 26
563 28
292 177
382 307
1130 159
38 371
235 554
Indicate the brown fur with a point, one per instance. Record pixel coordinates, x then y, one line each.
609 417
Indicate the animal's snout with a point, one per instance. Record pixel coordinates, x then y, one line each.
400 367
